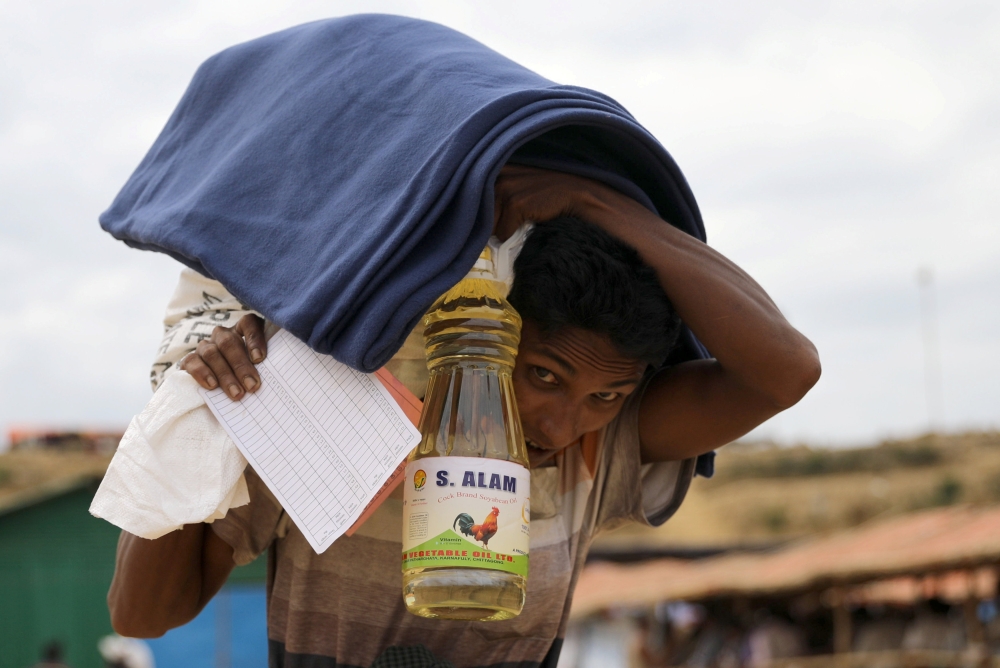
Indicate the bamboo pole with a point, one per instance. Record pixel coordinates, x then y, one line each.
841 621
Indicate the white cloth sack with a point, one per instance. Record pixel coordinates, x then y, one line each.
175 465
127 652
505 252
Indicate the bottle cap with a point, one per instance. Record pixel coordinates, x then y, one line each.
485 267
496 262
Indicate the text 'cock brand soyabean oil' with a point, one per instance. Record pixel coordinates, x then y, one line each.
465 502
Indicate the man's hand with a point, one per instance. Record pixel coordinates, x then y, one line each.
227 359
529 194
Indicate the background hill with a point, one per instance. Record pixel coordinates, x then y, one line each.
763 494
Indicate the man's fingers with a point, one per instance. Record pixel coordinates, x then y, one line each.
232 347
507 217
211 355
199 371
225 360
251 328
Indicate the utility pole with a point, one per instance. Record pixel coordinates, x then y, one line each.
932 350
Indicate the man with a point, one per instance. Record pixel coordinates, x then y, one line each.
52 656
611 435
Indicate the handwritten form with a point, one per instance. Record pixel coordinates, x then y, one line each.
323 437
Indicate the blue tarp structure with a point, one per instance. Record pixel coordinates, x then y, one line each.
230 632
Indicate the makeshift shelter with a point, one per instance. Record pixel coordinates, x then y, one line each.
57 561
951 553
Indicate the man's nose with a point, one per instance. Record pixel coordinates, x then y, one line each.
558 425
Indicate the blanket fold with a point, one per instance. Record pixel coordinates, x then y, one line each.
337 177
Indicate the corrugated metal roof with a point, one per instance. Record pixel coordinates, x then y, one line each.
32 476
957 537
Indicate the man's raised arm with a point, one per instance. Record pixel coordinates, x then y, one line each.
762 365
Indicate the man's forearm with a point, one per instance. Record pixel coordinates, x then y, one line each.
164 583
728 311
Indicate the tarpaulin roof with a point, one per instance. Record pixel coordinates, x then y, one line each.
936 540
28 477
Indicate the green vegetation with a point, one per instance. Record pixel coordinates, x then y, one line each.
805 461
992 487
775 519
947 492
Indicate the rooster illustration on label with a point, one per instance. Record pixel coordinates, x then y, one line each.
481 532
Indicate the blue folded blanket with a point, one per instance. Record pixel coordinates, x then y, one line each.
338 176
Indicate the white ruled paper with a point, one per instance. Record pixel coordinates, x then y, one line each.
322 436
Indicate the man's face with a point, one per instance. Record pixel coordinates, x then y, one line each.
567 384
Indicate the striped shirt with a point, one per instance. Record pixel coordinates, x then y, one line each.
344 607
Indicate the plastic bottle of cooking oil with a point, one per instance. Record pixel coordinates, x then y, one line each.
465 500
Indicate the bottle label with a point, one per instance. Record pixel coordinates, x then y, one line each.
466 512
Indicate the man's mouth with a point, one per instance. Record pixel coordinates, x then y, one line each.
537 453
531 444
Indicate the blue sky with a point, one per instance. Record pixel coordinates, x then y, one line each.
834 150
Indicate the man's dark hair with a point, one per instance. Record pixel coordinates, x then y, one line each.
571 273
52 652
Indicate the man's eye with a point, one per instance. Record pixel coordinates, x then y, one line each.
544 375
607 396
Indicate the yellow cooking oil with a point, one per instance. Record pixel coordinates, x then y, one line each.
465 520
